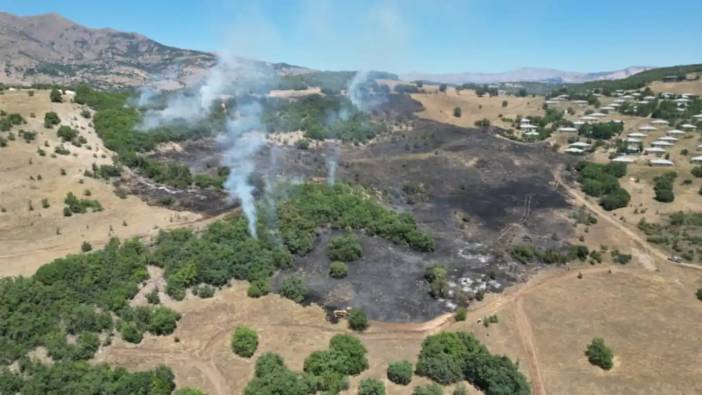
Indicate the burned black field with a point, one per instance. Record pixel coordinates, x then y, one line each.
475 192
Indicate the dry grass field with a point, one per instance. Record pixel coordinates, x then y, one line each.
30 238
694 87
645 310
438 106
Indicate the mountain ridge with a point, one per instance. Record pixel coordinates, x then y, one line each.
525 74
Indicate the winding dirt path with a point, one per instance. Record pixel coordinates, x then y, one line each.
526 336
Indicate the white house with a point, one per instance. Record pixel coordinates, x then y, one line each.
660 122
579 144
658 151
567 129
624 159
696 159
675 132
688 126
576 151
647 128
660 162
659 143
637 134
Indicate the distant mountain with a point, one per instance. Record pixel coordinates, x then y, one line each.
525 75
52 49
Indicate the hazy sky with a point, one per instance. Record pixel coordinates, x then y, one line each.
402 36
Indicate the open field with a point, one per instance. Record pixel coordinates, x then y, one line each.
29 239
439 106
681 87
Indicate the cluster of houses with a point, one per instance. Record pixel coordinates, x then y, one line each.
658 148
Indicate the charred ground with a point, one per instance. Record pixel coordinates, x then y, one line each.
475 192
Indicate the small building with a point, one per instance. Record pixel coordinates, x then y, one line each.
674 132
661 162
624 159
698 116
574 151
659 143
688 126
668 138
579 144
598 114
658 151
660 122
567 129
637 135
647 128
696 159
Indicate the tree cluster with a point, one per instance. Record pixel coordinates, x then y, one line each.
450 357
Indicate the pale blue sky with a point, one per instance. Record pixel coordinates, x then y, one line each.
401 36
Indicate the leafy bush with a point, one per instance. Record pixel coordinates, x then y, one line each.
400 372
294 288
271 376
84 377
460 315
602 181
66 133
437 277
345 356
449 357
51 119
370 386
699 294
599 354
358 320
697 171
79 206
663 187
55 96
244 341
152 297
345 248
86 247
338 269
457 112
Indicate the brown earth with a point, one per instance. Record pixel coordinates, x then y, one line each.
29 239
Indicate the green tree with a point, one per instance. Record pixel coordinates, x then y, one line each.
460 315
437 277
358 320
55 96
345 248
400 372
599 354
370 386
294 288
51 119
457 112
338 269
244 341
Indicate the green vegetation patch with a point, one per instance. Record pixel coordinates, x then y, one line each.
599 354
680 231
451 357
345 356
603 181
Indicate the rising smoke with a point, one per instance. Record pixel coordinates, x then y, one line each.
242 137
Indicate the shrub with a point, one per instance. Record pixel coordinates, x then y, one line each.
66 133
271 376
346 356
244 341
130 333
152 297
699 294
599 354
51 119
450 357
663 187
437 278
338 269
258 288
86 247
358 320
345 248
428 389
457 112
294 288
204 291
162 321
371 386
461 313
697 171
400 372
55 96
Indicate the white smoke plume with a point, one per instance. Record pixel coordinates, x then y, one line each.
244 138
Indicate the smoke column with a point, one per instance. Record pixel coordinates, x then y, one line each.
244 139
